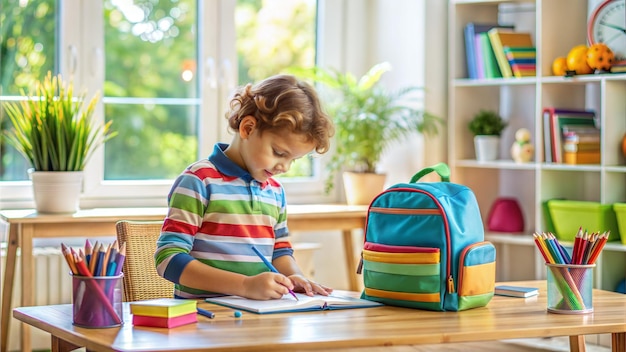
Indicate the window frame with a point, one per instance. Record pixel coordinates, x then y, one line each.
80 54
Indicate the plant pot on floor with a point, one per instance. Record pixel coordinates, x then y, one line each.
486 147
56 191
361 187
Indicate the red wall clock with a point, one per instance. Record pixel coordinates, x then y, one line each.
607 24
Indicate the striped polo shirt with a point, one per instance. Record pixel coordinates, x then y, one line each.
217 211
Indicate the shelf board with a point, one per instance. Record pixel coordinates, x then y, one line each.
570 167
511 165
509 238
614 246
497 164
616 168
581 79
495 82
478 2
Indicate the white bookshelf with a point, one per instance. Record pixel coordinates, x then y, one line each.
557 26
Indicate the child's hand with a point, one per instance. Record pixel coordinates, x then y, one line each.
266 286
302 284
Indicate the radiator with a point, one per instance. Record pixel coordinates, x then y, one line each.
53 285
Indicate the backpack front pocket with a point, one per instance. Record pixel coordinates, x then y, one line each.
402 275
477 275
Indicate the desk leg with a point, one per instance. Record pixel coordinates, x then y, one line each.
350 265
28 280
577 343
618 341
59 345
7 287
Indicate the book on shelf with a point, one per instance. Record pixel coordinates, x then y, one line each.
163 307
164 322
500 38
520 52
520 70
554 119
469 32
618 67
289 304
491 69
573 146
479 61
522 60
516 291
582 157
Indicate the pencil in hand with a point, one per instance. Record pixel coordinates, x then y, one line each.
271 267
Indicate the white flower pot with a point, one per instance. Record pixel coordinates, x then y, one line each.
56 191
486 147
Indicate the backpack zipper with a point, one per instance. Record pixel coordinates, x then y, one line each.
405 211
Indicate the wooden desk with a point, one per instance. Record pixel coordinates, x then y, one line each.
503 318
25 225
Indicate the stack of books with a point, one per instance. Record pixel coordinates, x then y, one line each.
502 38
581 144
522 60
164 312
575 127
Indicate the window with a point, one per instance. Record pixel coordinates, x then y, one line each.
164 70
27 52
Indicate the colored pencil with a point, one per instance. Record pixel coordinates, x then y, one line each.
598 247
94 257
540 247
105 261
119 260
88 249
99 260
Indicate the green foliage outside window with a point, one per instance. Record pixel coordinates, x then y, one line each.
145 53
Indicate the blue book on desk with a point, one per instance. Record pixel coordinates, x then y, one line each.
470 31
289 304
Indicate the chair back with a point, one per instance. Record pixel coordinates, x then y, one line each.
141 280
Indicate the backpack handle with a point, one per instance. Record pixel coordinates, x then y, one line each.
441 169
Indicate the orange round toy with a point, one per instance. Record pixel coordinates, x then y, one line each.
559 66
600 57
577 60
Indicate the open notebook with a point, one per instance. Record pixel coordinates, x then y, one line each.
289 304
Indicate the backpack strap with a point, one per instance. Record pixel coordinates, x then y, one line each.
442 170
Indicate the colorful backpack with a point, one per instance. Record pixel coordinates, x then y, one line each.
424 247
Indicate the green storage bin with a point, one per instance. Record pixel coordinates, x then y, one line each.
569 215
620 212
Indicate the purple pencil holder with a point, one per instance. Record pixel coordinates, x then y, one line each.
97 301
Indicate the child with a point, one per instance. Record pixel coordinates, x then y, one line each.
222 206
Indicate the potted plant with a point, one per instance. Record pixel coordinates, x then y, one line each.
487 125
55 132
367 118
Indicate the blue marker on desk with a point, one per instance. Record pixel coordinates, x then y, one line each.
206 313
271 267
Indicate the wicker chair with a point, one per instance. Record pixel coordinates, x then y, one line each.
141 280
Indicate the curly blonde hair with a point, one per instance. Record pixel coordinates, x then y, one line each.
283 103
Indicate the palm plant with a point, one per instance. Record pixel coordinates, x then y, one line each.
53 129
367 117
